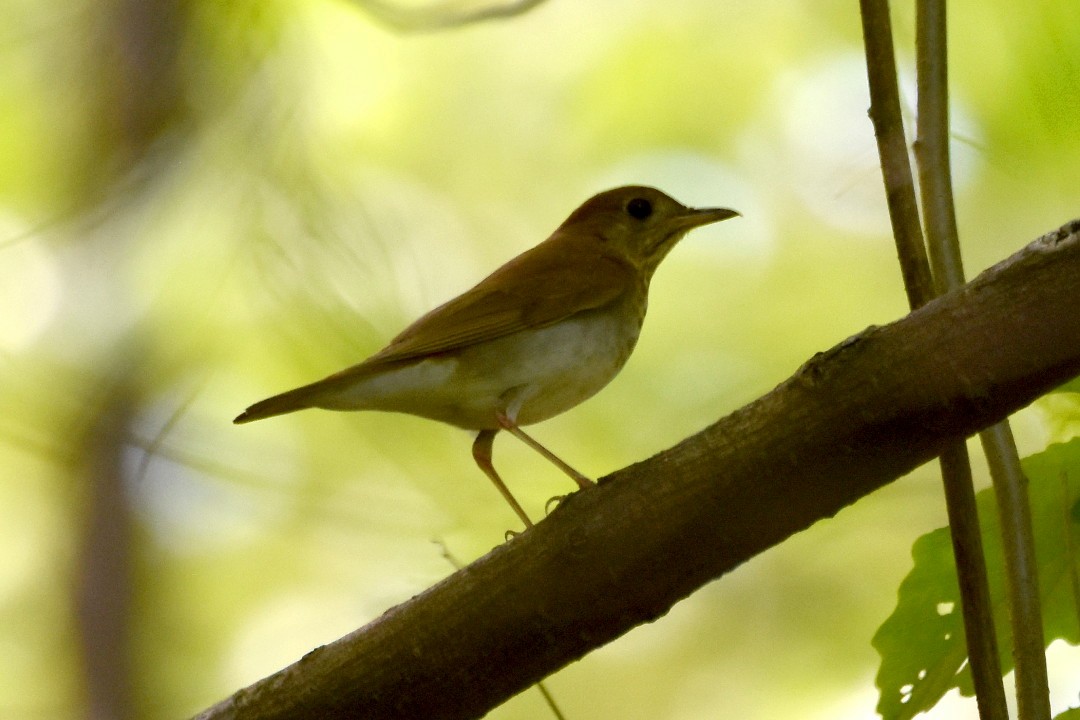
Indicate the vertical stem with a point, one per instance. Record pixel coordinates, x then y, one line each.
956 472
1021 572
892 149
1010 487
974 588
932 146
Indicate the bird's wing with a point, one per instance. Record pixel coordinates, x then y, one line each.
538 295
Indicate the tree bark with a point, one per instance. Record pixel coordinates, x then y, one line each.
849 421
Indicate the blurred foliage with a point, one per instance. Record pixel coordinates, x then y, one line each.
922 644
202 203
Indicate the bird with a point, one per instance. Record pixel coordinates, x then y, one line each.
541 334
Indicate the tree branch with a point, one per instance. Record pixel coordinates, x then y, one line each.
621 554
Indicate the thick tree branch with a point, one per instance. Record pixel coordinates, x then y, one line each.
621 554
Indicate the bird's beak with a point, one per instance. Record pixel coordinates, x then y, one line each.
676 227
696 217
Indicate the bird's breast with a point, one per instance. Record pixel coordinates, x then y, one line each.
549 370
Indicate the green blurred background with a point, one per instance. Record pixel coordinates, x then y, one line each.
203 203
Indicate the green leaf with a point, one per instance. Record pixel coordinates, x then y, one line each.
1071 386
923 654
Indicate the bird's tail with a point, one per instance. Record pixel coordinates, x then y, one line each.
287 402
331 392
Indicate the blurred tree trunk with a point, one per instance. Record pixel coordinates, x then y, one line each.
104 589
129 84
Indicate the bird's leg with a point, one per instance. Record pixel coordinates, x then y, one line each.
512 427
481 451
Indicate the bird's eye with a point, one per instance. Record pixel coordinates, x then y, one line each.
639 208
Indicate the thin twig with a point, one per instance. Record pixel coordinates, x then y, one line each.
549 699
939 214
955 467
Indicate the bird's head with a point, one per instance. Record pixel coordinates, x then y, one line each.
640 224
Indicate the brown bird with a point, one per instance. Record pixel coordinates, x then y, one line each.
541 334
